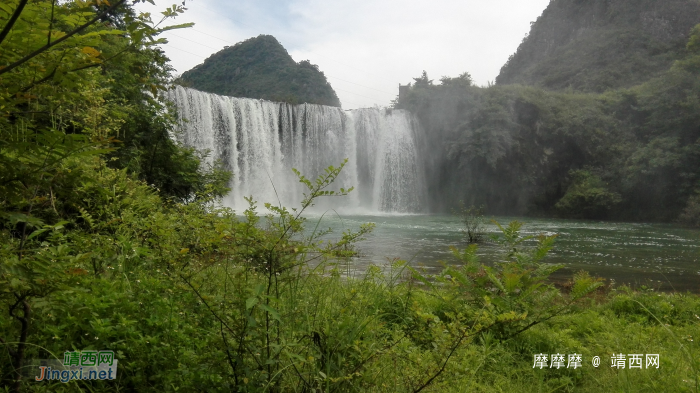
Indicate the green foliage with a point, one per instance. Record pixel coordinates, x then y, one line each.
62 209
691 213
61 89
262 291
624 106
497 303
261 68
205 300
463 80
473 221
587 197
520 147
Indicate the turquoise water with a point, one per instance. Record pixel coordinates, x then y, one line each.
661 256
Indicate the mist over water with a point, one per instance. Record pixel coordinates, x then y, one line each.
260 141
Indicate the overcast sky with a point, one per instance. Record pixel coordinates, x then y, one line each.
365 47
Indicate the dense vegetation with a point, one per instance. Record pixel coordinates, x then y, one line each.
596 45
630 154
260 67
111 238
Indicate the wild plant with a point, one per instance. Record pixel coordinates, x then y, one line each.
472 218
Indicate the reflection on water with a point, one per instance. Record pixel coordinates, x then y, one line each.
660 255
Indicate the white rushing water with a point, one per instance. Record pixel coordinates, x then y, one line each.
260 141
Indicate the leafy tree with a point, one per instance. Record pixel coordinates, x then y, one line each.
463 80
691 212
473 222
422 81
58 120
587 197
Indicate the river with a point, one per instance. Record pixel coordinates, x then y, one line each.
664 257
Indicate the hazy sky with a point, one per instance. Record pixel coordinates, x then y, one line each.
365 47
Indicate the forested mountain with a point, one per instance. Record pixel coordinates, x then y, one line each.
595 45
260 67
627 153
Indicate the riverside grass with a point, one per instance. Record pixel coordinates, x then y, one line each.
357 318
615 322
377 332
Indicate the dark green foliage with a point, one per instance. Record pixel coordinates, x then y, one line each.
463 80
587 197
513 147
598 45
66 217
260 67
135 78
691 213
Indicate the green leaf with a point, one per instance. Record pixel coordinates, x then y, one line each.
251 302
275 314
16 218
173 27
36 233
495 280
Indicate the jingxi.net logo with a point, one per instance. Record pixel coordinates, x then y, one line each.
79 365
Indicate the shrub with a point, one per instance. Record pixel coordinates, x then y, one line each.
691 213
473 222
587 197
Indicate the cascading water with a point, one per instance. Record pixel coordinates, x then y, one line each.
260 141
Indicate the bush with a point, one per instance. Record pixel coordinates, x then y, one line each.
691 213
587 197
473 222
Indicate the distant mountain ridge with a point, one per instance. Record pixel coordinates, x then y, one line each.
261 67
596 45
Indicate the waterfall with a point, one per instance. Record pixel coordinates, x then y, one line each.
260 141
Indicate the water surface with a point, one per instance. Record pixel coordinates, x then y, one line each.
662 256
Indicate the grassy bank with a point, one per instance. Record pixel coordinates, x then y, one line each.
327 333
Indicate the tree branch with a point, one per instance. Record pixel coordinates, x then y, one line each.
6 30
449 355
48 35
58 41
53 73
24 332
231 362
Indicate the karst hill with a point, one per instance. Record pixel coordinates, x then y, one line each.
596 45
260 67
